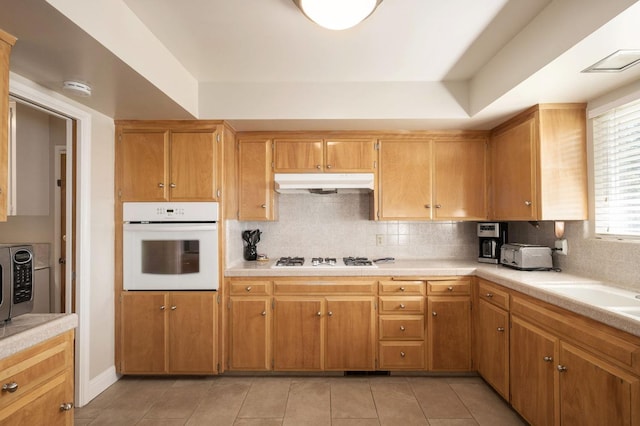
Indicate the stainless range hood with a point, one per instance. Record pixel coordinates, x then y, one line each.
323 183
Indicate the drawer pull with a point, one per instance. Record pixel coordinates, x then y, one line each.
319 313
160 185
402 354
67 406
450 288
162 308
10 387
547 359
402 306
174 307
172 185
434 313
330 313
489 295
402 289
562 368
264 313
501 329
402 328
248 288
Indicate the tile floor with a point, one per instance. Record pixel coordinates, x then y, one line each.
267 401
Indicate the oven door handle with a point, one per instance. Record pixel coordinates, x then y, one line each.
169 227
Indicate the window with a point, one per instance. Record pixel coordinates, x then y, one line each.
616 167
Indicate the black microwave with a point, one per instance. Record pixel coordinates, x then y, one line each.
16 280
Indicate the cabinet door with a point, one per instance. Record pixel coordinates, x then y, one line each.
250 333
351 333
344 155
194 166
405 179
192 333
460 180
298 326
593 392
533 358
256 193
493 346
143 334
513 165
144 161
449 333
6 42
298 155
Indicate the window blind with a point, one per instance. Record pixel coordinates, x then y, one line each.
616 162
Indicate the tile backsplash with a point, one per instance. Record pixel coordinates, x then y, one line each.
338 225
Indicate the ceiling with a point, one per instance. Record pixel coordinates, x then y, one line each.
262 65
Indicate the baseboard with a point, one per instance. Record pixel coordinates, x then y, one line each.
100 383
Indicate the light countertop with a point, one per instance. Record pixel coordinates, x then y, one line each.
538 284
28 330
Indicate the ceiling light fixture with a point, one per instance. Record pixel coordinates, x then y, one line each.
77 88
337 14
618 61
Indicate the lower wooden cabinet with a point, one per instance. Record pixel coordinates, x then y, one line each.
298 329
250 333
42 377
449 333
168 333
492 334
351 333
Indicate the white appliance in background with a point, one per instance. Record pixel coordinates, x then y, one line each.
170 246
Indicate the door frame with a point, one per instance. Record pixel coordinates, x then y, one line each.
48 99
57 266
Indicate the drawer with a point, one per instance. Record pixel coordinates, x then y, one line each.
401 327
400 305
238 288
402 287
401 355
308 288
493 294
31 368
449 287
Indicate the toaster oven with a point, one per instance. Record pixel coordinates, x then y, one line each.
526 257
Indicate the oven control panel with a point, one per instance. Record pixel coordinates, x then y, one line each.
170 212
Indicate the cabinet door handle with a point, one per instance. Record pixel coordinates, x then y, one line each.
489 295
319 313
174 307
402 289
318 166
66 406
402 354
434 313
264 206
248 288
562 368
427 206
449 288
438 206
547 359
264 313
527 203
501 329
330 313
162 308
160 185
402 328
10 387
402 306
328 166
172 185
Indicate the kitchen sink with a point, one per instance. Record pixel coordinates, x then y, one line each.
598 295
632 312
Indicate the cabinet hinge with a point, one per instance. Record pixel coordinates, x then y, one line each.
375 164
273 304
217 367
375 306
120 137
378 214
377 146
119 193
217 137
229 304
218 299
273 364
273 166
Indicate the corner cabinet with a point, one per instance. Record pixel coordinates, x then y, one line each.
168 333
420 179
257 199
539 165
6 43
168 161
39 384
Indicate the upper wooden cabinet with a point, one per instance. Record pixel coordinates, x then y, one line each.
162 161
439 179
256 195
6 43
539 165
338 155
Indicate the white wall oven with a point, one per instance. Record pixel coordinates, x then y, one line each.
170 246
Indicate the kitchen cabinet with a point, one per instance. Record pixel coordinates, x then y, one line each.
539 165
43 378
166 161
401 327
256 195
332 155
250 323
433 179
168 333
492 336
6 43
532 372
449 325
324 325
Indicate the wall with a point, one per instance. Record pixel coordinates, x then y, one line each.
338 225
